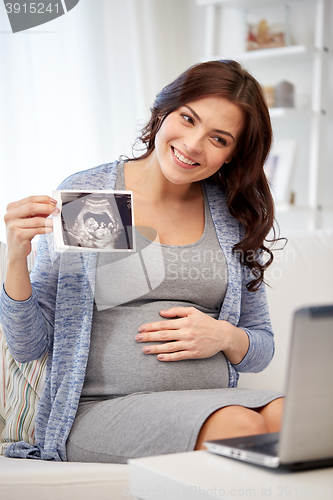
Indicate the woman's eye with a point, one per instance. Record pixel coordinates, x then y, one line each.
188 118
220 140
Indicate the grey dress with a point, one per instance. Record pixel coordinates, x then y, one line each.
133 405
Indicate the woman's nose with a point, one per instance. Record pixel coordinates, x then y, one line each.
194 142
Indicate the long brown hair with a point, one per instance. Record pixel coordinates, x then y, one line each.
243 178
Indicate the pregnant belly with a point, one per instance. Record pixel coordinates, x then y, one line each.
118 366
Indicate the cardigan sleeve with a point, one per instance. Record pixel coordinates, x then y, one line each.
28 324
255 321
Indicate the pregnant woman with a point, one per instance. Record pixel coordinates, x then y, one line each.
144 349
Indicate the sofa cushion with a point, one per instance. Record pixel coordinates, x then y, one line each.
21 385
40 480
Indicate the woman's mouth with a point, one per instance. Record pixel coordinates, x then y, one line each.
183 160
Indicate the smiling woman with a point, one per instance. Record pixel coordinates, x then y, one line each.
145 350
241 176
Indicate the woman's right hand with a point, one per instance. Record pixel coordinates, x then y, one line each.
25 219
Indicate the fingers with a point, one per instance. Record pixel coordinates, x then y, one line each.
159 326
179 312
172 351
26 219
30 207
31 223
179 342
31 199
169 347
153 332
173 312
176 356
172 331
158 336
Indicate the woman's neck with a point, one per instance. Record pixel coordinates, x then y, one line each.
146 178
175 212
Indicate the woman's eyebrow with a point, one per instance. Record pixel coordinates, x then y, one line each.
197 117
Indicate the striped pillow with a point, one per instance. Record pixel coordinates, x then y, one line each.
21 385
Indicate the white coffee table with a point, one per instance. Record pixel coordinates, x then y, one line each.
200 475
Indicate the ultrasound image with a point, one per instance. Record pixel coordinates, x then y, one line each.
97 220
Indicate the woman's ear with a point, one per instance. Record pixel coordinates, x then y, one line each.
229 159
232 155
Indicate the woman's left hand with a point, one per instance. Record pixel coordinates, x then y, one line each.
191 335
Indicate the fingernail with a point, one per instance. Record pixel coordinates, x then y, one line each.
52 200
160 356
139 337
56 211
146 349
142 329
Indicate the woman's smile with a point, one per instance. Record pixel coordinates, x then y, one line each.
183 160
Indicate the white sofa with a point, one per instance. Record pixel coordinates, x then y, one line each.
302 274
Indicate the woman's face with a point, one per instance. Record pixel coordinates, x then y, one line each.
195 140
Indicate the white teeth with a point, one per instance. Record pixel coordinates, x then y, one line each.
183 158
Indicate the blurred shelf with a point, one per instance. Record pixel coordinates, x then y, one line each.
290 51
276 52
287 207
245 3
290 113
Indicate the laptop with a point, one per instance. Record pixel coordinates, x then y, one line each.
306 437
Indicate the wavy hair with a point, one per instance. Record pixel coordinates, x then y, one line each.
243 179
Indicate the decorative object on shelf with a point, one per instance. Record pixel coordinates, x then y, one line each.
284 95
280 96
265 36
269 93
279 167
266 31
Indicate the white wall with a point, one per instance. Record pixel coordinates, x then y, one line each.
74 91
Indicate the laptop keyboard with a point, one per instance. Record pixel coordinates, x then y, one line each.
269 448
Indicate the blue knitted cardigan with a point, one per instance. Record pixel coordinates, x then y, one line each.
57 318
